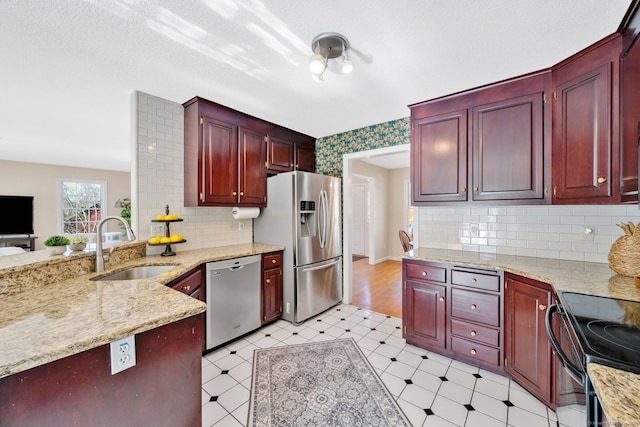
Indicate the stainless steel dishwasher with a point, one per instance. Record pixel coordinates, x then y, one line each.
233 299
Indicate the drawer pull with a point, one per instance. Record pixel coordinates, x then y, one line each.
187 288
473 351
273 261
441 299
424 274
268 280
473 333
542 307
473 306
474 280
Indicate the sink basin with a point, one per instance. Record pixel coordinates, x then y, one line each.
136 273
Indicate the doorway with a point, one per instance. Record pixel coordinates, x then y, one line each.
360 227
377 250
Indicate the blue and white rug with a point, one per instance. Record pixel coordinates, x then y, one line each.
329 383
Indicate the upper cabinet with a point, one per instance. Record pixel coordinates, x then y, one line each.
486 144
585 132
286 154
228 155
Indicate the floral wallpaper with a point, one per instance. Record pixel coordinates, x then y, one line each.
330 149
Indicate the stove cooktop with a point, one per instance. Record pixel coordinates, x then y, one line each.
608 329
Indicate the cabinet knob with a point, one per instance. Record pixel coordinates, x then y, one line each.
273 261
424 274
234 194
473 351
463 190
542 307
473 306
474 280
473 333
268 280
441 299
187 288
475 188
601 180
242 193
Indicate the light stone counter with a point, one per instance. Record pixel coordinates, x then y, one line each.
41 323
618 391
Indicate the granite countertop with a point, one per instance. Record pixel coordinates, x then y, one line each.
41 324
617 390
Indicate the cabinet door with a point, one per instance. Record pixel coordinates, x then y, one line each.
439 156
271 294
507 140
219 163
528 353
423 314
253 172
279 155
305 159
582 135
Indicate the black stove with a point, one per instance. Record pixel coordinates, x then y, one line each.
608 329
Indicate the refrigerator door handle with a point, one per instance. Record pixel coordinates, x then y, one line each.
325 218
322 220
320 267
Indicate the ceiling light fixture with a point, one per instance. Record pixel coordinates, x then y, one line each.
328 46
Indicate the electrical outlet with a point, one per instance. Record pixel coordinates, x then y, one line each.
588 233
241 225
157 230
123 354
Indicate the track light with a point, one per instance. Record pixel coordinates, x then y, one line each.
328 46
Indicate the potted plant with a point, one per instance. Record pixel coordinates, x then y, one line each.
77 242
56 244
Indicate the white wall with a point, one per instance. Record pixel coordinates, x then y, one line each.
158 162
379 207
538 231
397 202
40 180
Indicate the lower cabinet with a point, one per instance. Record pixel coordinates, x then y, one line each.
271 287
528 354
453 312
190 283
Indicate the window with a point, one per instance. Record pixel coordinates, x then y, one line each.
80 204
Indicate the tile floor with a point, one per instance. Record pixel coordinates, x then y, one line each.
432 390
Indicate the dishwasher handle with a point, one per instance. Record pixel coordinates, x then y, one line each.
237 267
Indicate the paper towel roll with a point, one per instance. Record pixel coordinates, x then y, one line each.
244 213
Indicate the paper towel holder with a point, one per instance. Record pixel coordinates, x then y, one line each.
240 213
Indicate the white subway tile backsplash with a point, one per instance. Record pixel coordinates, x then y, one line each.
542 231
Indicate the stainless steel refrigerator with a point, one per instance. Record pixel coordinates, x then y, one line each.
303 216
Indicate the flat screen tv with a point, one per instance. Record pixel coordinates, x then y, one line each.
16 214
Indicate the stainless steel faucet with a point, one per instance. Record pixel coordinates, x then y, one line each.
100 259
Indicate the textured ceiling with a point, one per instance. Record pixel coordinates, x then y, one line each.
68 67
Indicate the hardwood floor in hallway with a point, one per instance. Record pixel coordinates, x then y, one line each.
378 287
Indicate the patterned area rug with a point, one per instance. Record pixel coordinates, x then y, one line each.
327 383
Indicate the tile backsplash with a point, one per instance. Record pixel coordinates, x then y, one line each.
158 173
538 231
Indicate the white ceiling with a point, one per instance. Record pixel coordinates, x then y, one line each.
68 67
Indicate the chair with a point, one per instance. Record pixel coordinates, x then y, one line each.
405 240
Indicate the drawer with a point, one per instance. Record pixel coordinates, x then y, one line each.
425 272
475 306
473 350
272 260
190 283
476 280
473 332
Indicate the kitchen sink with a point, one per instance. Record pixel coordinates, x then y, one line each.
136 273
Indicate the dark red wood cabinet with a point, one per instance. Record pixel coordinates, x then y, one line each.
486 144
586 161
190 283
271 287
528 354
228 154
305 156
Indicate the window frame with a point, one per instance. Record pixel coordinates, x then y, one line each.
59 194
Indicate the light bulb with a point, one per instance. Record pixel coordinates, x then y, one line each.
317 64
347 66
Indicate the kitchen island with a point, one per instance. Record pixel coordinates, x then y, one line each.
55 314
617 390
